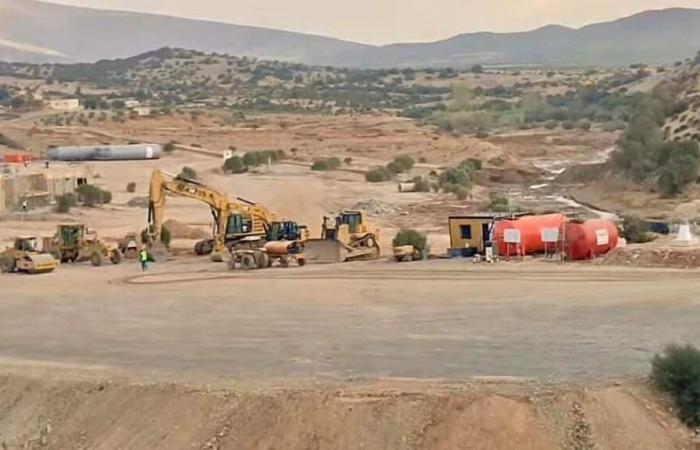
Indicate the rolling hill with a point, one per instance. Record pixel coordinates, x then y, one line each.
35 31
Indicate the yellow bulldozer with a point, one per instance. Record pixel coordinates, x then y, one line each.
25 257
345 237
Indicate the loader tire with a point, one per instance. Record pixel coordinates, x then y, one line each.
96 259
248 262
115 257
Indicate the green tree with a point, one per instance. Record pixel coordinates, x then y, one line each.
235 164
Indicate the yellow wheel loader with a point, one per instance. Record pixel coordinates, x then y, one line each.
344 237
25 257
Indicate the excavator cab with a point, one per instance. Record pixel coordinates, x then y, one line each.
238 224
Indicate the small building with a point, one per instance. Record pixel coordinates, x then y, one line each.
142 111
64 104
469 234
39 189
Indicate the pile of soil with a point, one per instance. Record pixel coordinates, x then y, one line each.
653 256
376 208
182 231
88 412
138 202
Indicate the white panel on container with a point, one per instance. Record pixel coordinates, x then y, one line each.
550 235
602 237
149 152
511 236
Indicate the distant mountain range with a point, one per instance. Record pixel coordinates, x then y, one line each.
34 31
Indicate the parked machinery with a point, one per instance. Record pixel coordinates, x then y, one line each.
236 221
25 257
256 253
129 246
75 243
344 237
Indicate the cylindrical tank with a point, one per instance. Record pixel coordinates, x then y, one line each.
530 228
407 187
105 152
283 248
590 239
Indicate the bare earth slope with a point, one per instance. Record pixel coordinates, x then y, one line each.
38 410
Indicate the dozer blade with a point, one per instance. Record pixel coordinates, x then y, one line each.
324 251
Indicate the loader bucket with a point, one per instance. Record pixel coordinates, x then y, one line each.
324 251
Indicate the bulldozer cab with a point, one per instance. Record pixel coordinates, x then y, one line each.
26 244
353 219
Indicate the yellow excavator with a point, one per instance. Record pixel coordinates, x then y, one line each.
236 221
345 237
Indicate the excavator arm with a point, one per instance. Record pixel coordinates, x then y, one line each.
159 186
221 206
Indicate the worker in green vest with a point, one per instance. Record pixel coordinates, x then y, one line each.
143 259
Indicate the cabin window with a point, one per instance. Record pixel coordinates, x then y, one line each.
465 231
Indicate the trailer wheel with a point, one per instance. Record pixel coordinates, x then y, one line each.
284 261
301 262
248 262
264 261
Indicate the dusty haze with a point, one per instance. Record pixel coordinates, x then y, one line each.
389 21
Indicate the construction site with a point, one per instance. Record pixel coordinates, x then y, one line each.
357 269
275 322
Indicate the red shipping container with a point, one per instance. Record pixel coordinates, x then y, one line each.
590 239
530 228
16 158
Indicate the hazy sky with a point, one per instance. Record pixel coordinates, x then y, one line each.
385 21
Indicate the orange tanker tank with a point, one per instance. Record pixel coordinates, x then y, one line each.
589 239
530 228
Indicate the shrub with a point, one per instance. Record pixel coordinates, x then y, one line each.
552 124
635 230
462 193
499 204
410 237
422 160
459 176
235 164
584 125
422 185
473 164
482 134
321 165
377 175
567 125
188 173
348 161
260 157
169 147
64 203
405 161
91 195
677 372
131 187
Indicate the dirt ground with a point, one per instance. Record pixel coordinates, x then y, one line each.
61 408
446 319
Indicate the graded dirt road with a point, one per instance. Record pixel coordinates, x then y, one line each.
437 319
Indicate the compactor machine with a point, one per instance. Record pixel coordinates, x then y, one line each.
25 257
